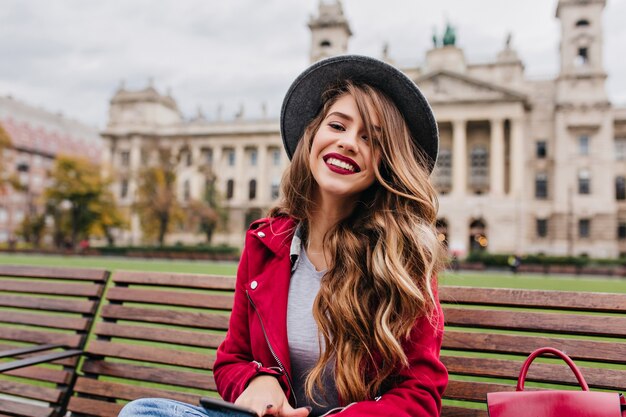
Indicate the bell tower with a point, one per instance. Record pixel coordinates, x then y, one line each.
582 76
330 31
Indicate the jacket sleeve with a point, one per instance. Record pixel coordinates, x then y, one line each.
421 385
234 365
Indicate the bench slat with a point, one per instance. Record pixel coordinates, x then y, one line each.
211 282
151 354
452 411
152 315
14 408
29 391
545 322
52 288
501 343
145 373
539 372
46 320
155 334
42 374
130 392
475 391
34 336
52 304
84 274
183 299
94 407
566 300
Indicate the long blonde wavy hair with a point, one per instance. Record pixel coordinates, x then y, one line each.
384 254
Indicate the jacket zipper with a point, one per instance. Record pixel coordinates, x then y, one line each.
269 345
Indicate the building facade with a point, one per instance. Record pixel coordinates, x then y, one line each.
37 137
524 166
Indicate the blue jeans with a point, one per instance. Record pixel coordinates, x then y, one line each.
161 407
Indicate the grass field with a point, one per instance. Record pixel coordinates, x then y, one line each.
476 279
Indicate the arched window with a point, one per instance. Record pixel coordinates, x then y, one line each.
478 236
582 23
252 190
325 43
620 188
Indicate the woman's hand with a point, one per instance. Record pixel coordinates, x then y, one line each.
265 396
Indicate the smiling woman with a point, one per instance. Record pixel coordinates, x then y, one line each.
336 308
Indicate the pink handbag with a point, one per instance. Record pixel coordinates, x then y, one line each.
554 403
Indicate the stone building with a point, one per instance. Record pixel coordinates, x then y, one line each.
37 136
524 166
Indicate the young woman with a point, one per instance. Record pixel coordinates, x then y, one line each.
335 309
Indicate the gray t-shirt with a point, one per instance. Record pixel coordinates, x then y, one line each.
302 332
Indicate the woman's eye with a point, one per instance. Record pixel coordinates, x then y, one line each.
336 126
365 138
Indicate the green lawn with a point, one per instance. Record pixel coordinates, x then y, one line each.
476 279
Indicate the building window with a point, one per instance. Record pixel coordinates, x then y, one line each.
230 154
584 182
275 190
186 190
479 171
620 149
542 227
542 150
230 189
276 157
252 190
541 186
584 226
254 156
443 176
124 158
583 145
188 158
124 188
208 157
620 188
582 23
582 58
325 44
621 230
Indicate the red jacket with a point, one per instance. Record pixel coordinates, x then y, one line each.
257 336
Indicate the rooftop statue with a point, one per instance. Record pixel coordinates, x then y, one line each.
449 37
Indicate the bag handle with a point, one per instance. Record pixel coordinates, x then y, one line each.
556 352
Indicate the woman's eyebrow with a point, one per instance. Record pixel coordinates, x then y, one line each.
378 129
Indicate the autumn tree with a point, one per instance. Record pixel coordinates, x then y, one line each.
5 177
157 203
109 217
208 214
76 198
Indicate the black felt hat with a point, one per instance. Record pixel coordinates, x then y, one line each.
303 100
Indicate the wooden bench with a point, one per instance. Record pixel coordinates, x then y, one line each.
158 335
47 310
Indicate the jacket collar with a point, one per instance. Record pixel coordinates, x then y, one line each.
275 233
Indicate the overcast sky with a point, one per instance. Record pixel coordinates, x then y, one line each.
70 56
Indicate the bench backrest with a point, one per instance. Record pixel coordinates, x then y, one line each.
489 333
159 332
157 338
41 306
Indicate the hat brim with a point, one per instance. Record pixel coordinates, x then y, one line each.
303 100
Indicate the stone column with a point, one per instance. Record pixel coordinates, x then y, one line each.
262 191
496 158
459 157
196 179
517 157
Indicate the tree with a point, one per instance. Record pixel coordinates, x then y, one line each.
75 192
109 217
33 228
157 204
5 177
204 217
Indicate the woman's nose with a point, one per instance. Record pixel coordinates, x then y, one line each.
348 141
